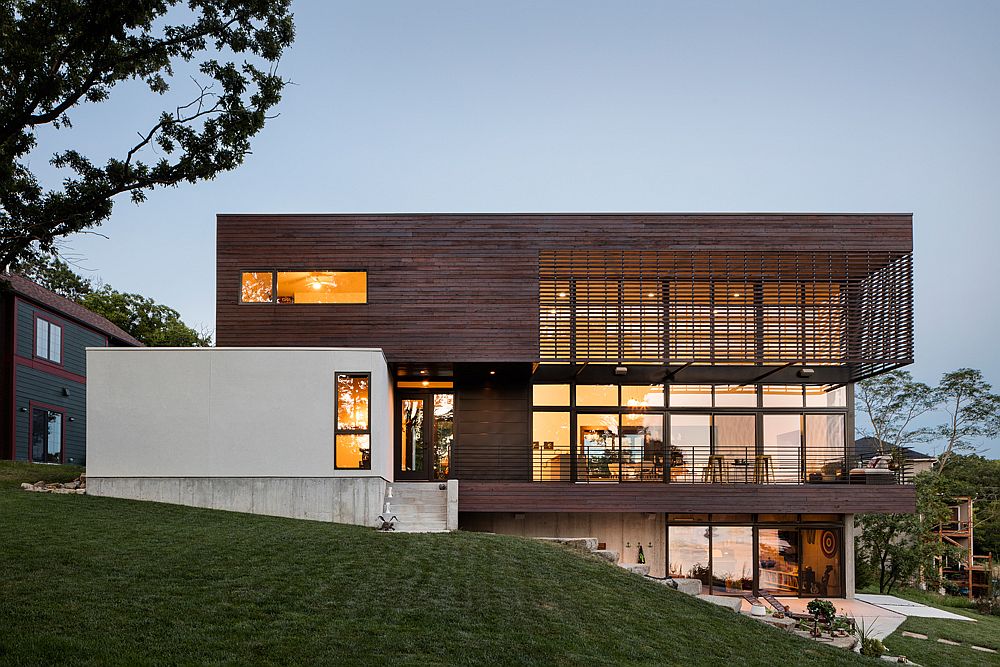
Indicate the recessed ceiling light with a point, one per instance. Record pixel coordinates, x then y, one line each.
493 372
423 372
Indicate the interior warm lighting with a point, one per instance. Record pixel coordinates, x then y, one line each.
736 295
651 295
426 383
562 295
423 372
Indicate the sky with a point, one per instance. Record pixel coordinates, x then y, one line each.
610 106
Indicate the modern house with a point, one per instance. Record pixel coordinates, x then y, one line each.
43 371
681 383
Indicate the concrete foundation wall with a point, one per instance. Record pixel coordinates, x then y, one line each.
355 500
620 531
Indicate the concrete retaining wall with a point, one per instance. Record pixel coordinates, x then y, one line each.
342 500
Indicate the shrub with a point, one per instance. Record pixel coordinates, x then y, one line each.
988 606
872 648
822 609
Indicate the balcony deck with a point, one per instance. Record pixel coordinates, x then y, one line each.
495 496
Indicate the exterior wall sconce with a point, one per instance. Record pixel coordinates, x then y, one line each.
65 391
621 370
806 372
24 409
72 419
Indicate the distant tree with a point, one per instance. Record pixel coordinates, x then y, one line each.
54 274
895 547
58 54
892 403
151 323
979 478
973 412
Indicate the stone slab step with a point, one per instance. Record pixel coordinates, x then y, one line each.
606 554
581 543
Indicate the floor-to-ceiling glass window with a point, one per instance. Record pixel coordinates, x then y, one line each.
778 558
690 446
795 555
821 564
599 454
783 449
732 559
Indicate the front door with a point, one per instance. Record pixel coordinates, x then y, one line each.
425 432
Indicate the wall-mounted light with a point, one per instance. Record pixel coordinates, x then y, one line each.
621 370
424 372
24 409
72 419
65 391
806 372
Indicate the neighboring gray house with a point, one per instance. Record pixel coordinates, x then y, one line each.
916 462
43 371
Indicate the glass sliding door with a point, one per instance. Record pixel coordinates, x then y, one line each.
732 559
821 568
778 557
689 554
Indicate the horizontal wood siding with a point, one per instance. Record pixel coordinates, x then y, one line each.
42 387
491 423
476 496
464 287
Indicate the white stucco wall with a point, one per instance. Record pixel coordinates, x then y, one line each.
226 412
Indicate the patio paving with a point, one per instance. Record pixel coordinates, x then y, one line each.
908 608
880 621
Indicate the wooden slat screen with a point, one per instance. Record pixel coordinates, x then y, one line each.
727 308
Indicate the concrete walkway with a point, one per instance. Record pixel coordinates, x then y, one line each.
880 621
908 608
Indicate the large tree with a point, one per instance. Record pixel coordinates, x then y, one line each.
891 406
972 409
58 54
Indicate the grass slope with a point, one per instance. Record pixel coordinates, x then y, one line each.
985 632
101 580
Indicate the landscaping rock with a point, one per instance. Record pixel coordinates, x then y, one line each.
581 543
78 485
914 635
635 568
606 554
729 602
686 586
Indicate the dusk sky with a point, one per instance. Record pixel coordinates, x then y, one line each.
612 106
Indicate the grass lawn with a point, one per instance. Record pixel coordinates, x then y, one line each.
102 580
928 652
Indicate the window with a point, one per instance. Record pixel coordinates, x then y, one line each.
48 341
550 446
353 425
287 287
597 395
550 394
690 396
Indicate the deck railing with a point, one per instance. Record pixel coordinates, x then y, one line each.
705 465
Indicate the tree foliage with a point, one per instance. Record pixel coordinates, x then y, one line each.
151 323
893 403
58 54
895 547
972 409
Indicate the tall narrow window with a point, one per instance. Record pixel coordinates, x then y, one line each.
48 341
353 426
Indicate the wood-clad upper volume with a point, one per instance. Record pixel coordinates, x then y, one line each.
812 288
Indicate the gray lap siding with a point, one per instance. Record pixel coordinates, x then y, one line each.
34 386
57 386
75 338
